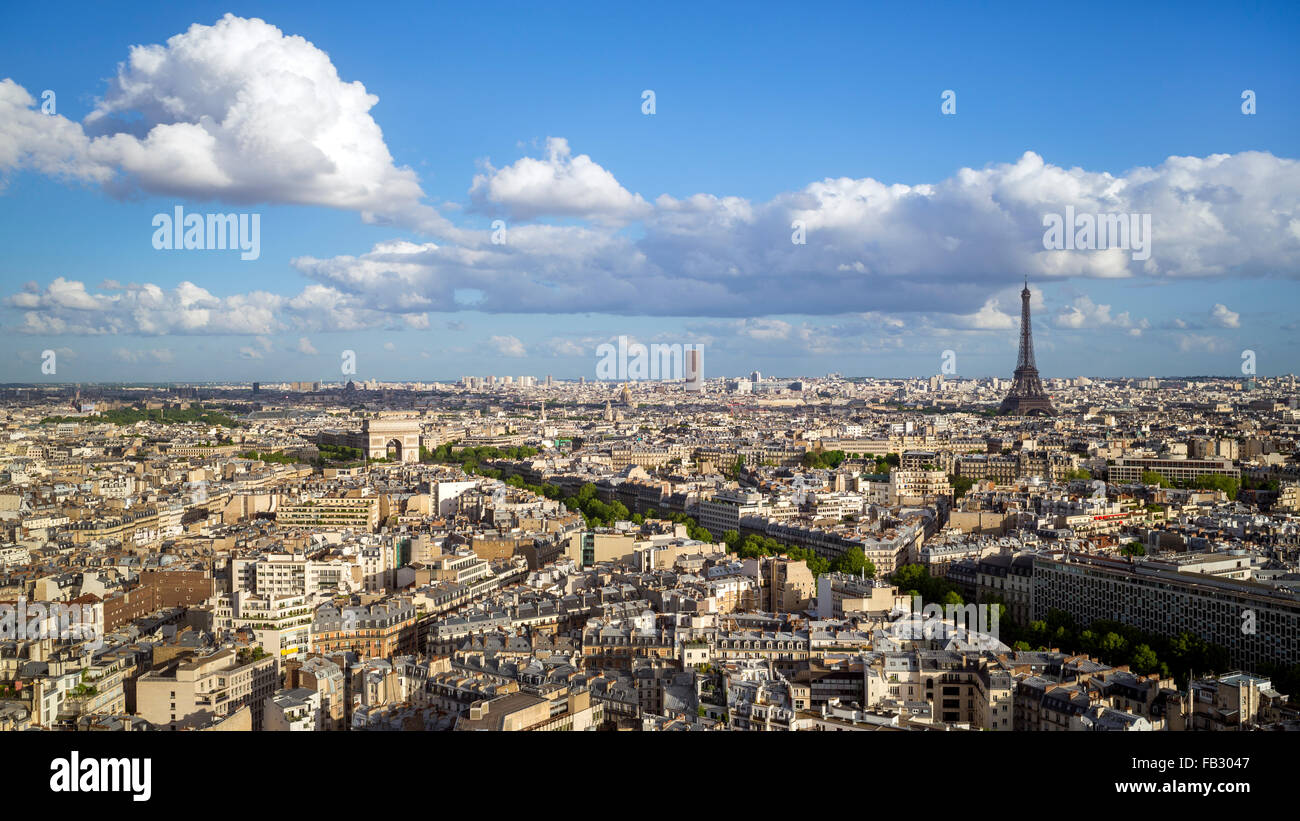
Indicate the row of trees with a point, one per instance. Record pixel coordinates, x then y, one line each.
754 546
1111 642
915 580
165 416
693 529
1116 643
338 453
829 459
277 457
960 484
469 458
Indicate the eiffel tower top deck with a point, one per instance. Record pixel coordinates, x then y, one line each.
1026 397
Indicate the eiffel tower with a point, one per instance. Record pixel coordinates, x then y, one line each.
1026 397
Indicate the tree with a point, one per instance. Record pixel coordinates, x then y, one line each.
1150 477
1133 549
1217 481
960 484
1144 660
854 561
1113 647
737 466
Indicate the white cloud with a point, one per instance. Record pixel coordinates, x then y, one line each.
236 111
990 317
67 307
565 347
508 346
870 246
764 329
1200 343
1084 313
1224 318
305 346
559 185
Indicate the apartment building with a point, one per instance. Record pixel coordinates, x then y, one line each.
587 548
910 487
282 624
198 692
621 458
289 574
1008 578
553 708
1233 702
840 593
958 689
294 710
360 513
375 631
724 511
791 587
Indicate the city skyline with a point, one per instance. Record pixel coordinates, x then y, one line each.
895 226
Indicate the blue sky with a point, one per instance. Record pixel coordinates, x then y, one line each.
669 227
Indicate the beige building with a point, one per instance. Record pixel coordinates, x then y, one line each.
910 487
555 708
792 587
197 692
331 512
587 548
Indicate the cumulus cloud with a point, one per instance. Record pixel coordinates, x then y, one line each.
949 246
305 346
1224 318
238 112
1200 343
68 307
508 346
1084 313
558 185
764 329
990 317
565 347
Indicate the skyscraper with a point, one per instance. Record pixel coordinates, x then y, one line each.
695 368
1026 397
